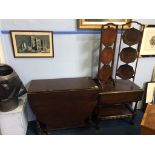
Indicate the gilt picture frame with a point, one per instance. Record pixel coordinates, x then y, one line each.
148 42
32 44
97 23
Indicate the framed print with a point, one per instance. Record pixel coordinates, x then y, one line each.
150 93
32 44
148 41
97 23
153 74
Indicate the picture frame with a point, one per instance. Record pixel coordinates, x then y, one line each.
148 42
150 92
97 23
32 44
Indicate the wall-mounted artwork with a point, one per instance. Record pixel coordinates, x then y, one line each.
148 41
32 44
97 23
150 93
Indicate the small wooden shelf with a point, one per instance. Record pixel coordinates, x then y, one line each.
114 112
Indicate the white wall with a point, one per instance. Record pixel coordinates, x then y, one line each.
2 57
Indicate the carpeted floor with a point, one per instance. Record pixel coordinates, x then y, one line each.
107 127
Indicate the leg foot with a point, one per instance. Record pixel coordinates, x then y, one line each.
41 129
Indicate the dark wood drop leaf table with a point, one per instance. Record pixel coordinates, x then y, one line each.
62 103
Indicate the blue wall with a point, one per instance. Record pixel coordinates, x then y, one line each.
74 51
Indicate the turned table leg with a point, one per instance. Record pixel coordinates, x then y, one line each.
41 128
134 113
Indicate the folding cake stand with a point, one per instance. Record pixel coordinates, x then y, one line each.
117 95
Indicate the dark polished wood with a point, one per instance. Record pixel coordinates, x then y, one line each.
108 40
148 121
112 101
63 103
110 112
128 55
105 73
62 84
109 36
107 55
130 37
125 72
124 91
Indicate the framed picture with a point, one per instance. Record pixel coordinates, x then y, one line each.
150 92
97 23
148 41
32 44
153 74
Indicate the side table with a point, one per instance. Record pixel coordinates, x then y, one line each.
116 101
